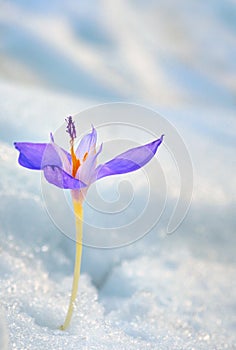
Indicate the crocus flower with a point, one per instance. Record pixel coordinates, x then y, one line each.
77 170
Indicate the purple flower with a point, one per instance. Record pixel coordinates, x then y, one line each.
78 169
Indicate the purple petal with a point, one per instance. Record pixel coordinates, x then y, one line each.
87 142
58 177
131 160
65 157
87 169
31 154
37 155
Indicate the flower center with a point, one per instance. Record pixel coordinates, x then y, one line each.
71 130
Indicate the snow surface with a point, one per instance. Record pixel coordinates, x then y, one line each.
175 292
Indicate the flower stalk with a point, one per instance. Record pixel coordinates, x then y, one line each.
78 211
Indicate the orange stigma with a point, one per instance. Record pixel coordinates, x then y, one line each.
85 156
75 161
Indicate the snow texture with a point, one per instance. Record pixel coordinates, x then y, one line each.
175 292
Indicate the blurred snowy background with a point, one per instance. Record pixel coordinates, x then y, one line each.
178 57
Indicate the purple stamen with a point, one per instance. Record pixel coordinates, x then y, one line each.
71 128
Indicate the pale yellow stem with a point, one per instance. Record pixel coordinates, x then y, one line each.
78 210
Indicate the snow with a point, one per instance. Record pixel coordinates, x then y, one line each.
161 292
